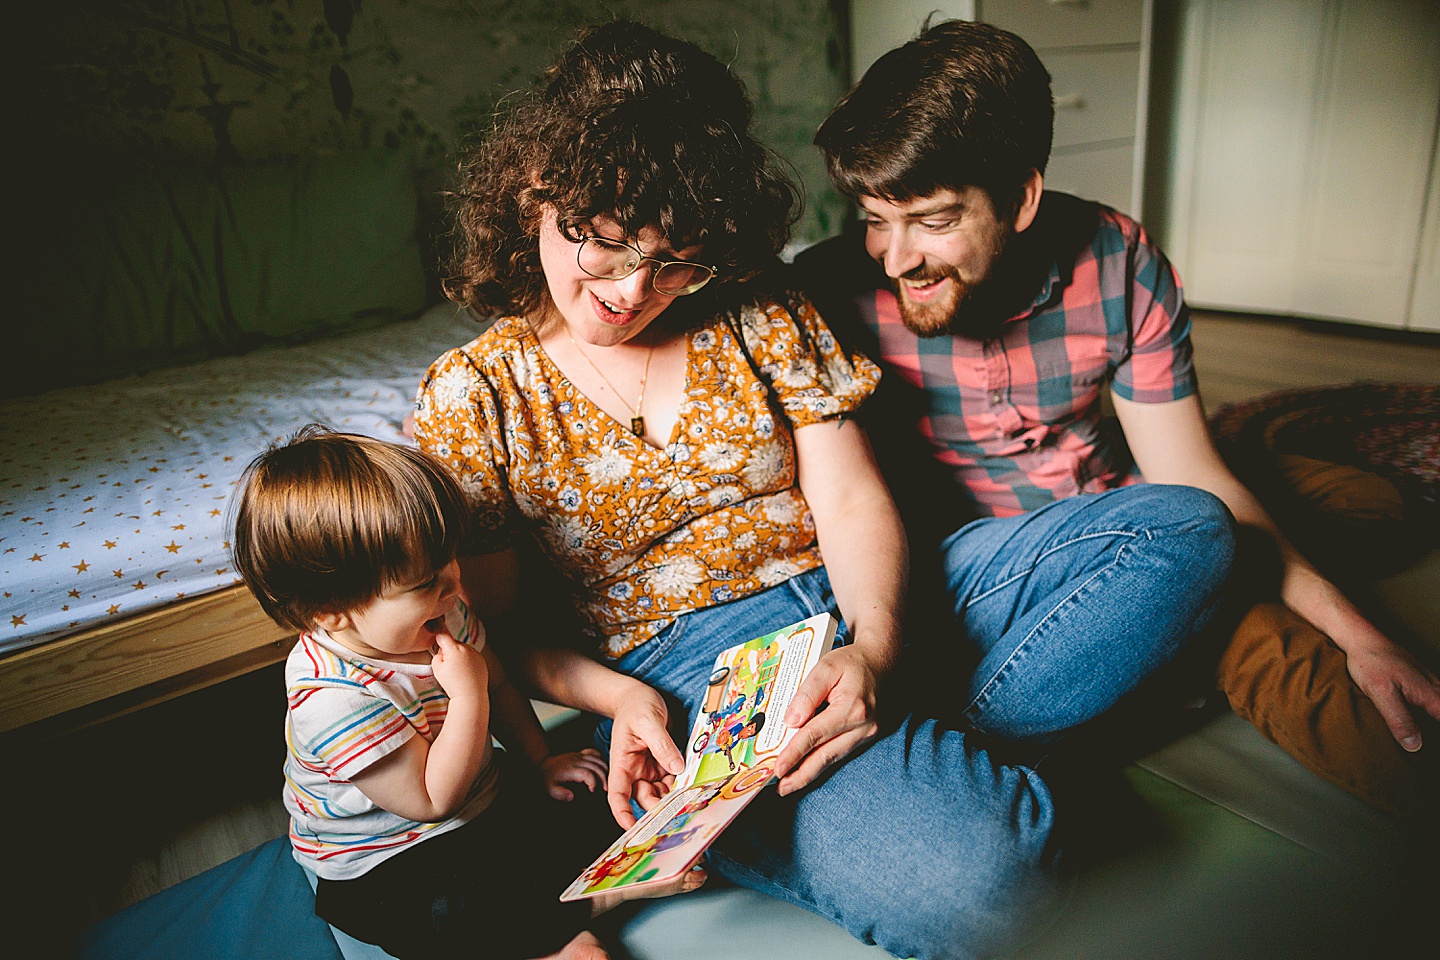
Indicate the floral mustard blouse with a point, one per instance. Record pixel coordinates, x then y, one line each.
647 533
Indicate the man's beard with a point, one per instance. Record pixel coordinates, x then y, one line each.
936 317
969 308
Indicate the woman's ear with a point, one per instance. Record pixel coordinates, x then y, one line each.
1030 193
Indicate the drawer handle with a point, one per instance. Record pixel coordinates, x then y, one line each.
1069 3
1070 101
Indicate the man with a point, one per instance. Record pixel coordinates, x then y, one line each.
1001 315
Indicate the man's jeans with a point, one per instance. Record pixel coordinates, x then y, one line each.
932 842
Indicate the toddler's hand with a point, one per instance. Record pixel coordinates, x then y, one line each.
586 768
459 668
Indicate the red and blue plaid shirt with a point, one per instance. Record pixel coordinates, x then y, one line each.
1017 419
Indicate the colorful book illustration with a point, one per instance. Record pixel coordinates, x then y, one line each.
730 755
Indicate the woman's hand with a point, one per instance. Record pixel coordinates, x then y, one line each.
643 759
561 771
844 683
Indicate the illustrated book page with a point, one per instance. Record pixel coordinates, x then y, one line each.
730 754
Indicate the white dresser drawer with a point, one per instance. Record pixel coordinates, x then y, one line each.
1105 174
1067 23
1096 94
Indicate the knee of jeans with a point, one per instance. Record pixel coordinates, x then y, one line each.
1190 512
1211 522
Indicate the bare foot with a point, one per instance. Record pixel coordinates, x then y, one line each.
585 946
691 879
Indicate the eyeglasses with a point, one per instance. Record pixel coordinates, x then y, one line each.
606 259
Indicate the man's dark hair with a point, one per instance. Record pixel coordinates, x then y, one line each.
962 104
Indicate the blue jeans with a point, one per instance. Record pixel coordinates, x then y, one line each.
932 842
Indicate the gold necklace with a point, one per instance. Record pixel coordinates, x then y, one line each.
637 422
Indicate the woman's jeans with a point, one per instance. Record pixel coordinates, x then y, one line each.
936 840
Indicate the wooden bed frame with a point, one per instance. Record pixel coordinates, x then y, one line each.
115 668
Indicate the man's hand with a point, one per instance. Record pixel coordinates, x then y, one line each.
844 682
1385 672
1396 683
561 771
643 759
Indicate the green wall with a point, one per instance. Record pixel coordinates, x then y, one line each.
243 81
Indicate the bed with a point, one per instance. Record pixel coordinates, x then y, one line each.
206 316
113 544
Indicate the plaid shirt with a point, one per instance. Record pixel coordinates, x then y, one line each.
1017 419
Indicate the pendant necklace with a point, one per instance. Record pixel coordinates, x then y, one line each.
637 422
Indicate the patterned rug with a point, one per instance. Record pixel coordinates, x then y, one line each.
1351 473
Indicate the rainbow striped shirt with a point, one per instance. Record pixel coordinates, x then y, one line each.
344 713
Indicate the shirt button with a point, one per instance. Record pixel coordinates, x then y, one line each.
994 398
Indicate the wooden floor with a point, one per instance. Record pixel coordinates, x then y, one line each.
105 817
1240 357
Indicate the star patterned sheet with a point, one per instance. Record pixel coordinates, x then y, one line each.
114 497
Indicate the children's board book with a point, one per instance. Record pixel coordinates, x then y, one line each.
729 757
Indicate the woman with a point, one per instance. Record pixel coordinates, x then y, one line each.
676 443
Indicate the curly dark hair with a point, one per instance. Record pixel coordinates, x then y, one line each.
963 103
632 125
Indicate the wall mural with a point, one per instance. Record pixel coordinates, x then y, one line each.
243 81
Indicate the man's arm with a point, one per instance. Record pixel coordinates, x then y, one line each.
1171 444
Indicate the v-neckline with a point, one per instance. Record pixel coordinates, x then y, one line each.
624 427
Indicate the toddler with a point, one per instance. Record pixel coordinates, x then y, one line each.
426 839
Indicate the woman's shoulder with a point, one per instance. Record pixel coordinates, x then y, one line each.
492 350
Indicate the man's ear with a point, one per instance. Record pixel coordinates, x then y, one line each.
1030 193
333 622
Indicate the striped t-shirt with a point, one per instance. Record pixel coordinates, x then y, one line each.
345 712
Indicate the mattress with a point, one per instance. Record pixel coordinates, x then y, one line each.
114 497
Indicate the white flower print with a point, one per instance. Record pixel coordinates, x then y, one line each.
570 499
725 496
676 577
784 511
775 571
522 364
721 456
796 375
745 541
570 535
609 468
450 390
766 466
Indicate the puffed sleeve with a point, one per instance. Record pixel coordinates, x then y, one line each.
812 375
458 418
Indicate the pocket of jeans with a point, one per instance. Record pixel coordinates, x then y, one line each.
654 650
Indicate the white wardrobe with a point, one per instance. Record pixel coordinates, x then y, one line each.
1304 178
